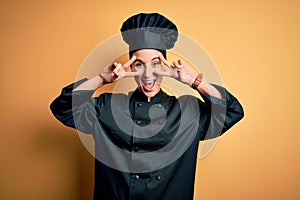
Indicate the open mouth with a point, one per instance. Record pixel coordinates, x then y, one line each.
148 85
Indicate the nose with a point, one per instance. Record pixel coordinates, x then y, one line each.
148 71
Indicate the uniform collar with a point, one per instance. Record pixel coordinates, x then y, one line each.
140 96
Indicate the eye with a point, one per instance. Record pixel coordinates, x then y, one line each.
138 65
156 64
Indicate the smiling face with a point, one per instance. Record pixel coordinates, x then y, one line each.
147 63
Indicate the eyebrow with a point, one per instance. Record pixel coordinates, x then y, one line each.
156 58
139 60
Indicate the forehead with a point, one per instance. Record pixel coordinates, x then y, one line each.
146 55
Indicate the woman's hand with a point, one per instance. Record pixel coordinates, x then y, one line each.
179 70
116 71
109 74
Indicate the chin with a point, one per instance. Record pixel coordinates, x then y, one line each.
151 93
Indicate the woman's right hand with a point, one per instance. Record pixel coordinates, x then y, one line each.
109 74
116 71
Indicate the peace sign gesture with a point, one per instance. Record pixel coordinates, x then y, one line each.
116 71
178 70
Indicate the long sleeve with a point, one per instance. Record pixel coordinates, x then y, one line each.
219 114
75 109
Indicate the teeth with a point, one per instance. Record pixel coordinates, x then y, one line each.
149 84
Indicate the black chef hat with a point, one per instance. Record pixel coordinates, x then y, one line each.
149 31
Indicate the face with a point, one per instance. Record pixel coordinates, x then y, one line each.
147 63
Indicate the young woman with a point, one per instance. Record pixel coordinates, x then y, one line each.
146 141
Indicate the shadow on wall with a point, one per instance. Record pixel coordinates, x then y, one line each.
46 161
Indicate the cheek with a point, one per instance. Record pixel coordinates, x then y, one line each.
156 72
159 79
140 70
137 80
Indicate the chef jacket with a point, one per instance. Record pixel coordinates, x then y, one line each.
146 150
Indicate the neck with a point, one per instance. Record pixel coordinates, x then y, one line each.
149 95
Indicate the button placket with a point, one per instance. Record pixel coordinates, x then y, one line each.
138 110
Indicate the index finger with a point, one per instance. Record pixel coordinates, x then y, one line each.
130 74
161 57
129 62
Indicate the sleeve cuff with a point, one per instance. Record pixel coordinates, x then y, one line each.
80 95
214 100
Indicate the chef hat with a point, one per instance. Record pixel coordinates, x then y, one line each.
149 31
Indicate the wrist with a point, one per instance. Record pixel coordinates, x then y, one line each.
101 80
196 81
192 80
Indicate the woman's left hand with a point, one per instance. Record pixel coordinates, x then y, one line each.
179 70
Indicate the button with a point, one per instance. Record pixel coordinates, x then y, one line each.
137 177
136 149
139 104
139 122
158 177
159 105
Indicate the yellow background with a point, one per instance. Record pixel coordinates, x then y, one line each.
255 45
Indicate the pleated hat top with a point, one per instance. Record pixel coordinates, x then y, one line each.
149 31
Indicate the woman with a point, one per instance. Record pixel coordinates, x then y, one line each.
146 141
